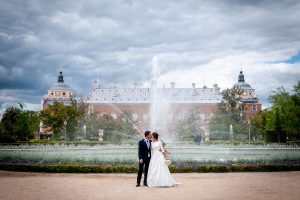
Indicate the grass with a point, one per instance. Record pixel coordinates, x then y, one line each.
108 158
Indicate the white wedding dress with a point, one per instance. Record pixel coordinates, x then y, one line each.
158 173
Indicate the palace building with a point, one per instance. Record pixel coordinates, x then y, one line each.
137 101
59 92
249 98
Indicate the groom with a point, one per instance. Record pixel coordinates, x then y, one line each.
144 157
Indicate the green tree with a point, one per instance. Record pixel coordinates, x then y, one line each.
258 123
229 112
188 128
27 124
284 118
115 130
9 124
54 117
293 128
281 121
18 124
76 113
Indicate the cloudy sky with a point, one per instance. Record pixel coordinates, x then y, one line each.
119 38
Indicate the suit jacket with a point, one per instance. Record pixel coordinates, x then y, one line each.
144 150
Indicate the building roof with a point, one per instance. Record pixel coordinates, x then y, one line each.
241 82
60 85
145 95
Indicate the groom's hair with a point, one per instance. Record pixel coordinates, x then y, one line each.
147 133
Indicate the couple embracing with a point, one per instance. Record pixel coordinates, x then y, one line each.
152 156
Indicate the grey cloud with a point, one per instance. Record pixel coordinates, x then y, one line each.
119 38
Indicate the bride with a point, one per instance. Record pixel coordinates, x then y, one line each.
159 174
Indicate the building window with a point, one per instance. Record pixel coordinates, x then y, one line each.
64 94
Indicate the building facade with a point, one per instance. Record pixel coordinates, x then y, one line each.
248 98
60 92
138 102
174 104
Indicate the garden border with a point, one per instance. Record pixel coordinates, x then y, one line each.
134 169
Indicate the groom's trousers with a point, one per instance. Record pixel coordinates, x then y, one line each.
141 166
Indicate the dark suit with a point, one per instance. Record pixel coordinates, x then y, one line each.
144 153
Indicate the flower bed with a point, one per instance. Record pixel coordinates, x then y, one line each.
133 169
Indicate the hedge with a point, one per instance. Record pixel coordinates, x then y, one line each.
133 169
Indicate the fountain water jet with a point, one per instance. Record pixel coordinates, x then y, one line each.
160 104
230 132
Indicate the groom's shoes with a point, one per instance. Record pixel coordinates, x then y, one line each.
137 185
146 185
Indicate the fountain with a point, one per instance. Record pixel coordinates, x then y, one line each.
160 104
84 131
230 132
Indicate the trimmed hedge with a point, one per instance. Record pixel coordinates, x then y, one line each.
134 169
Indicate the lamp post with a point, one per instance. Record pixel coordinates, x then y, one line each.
249 122
65 123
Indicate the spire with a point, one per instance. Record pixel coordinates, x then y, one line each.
60 78
241 77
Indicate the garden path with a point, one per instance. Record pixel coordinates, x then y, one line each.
275 185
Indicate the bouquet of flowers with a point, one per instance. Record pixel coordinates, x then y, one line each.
168 162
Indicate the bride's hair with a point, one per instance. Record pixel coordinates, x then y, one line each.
155 135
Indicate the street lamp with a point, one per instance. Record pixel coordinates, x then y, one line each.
65 123
249 122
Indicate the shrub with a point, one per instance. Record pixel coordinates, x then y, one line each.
133 169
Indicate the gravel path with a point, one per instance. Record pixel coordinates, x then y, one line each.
241 186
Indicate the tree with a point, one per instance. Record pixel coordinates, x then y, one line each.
288 106
281 121
27 124
294 121
18 124
188 128
229 112
115 130
9 124
76 113
258 123
54 117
